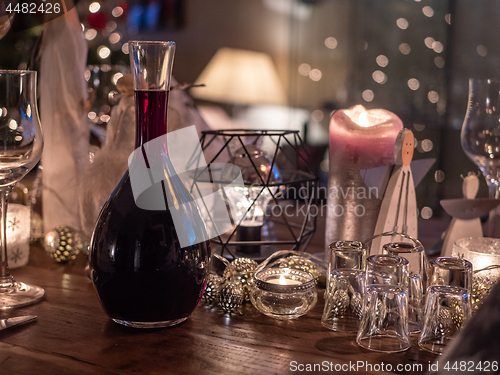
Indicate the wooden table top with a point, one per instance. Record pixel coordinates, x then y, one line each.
73 335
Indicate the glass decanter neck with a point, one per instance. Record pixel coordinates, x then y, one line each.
151 115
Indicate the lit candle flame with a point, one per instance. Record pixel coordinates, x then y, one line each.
282 280
363 120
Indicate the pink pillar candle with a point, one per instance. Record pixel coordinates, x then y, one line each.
364 138
360 140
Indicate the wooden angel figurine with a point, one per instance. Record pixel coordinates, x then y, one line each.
466 212
398 212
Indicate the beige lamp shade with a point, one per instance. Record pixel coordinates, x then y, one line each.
237 76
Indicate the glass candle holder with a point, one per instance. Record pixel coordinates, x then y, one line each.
484 254
416 273
283 293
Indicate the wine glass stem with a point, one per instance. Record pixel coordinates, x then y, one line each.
5 277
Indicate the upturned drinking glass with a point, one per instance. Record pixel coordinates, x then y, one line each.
447 304
384 320
416 268
21 147
343 297
447 309
450 271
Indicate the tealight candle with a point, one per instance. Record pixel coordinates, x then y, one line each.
284 280
283 293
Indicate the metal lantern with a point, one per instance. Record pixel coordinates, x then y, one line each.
271 206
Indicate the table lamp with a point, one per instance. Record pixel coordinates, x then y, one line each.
240 77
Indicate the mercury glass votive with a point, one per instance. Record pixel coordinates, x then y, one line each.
283 293
484 254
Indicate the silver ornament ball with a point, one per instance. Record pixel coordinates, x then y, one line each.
231 296
212 288
63 243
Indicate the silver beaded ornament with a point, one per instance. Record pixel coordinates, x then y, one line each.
356 304
231 296
212 288
301 263
444 320
63 244
241 270
339 302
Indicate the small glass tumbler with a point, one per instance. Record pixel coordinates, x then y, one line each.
416 268
449 271
343 297
447 309
384 320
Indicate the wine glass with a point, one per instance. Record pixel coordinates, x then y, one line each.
481 133
20 150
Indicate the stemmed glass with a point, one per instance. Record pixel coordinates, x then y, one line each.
481 132
20 150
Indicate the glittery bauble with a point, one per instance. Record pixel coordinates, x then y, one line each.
211 292
63 243
241 270
231 296
301 263
444 320
356 304
339 302
481 287
457 313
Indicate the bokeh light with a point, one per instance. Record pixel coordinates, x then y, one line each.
368 95
404 48
413 84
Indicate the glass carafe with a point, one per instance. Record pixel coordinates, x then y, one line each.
144 274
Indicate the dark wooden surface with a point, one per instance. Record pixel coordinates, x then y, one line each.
72 335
